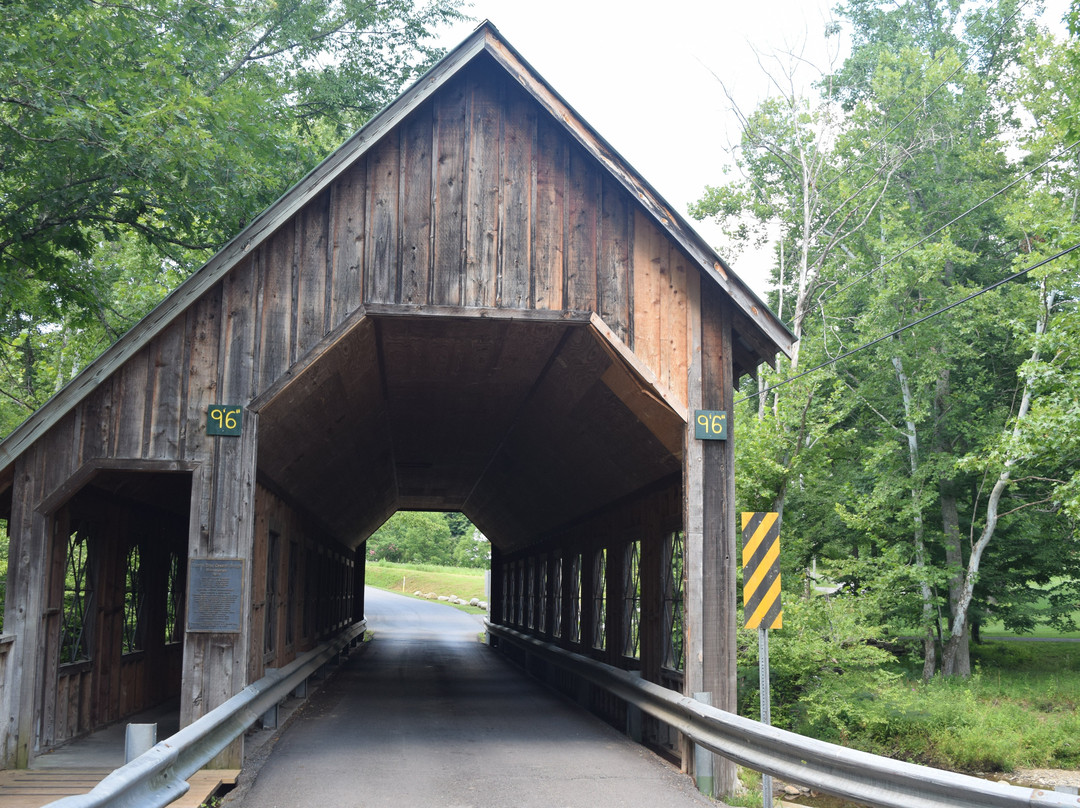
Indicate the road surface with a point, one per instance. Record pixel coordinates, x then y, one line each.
429 716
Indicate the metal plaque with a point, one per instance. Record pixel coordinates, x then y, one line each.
215 595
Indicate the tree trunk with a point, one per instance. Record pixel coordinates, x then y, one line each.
956 661
967 589
928 621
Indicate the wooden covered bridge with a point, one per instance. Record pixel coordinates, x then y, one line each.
473 305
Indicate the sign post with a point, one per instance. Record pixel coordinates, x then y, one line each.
761 603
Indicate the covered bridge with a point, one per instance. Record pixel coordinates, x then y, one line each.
474 305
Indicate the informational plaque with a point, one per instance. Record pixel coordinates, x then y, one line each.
215 595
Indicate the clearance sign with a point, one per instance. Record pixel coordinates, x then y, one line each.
761 571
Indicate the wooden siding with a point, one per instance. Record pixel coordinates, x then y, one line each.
477 199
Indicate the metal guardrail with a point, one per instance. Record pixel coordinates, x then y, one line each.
158 777
836 770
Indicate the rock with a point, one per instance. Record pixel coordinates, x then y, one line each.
482 605
443 598
430 596
418 593
474 602
792 791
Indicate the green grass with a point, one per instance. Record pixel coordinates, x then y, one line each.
408 578
1020 709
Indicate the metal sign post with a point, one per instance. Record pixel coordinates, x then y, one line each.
766 705
761 603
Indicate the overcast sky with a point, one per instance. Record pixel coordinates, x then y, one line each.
642 74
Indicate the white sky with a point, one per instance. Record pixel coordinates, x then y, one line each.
639 73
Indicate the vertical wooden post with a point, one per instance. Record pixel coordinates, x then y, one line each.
222 526
710 520
27 570
497 602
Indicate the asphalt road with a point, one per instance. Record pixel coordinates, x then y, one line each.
429 716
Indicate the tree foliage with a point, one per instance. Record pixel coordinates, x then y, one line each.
136 139
419 537
934 161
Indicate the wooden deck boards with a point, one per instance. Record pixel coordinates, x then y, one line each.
23 788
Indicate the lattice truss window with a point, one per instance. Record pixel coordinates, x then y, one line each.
134 599
173 599
599 638
530 602
556 618
78 599
519 585
542 593
632 601
673 602
575 598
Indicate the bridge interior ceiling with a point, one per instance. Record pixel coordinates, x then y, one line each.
525 426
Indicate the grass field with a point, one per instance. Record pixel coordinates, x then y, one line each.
408 578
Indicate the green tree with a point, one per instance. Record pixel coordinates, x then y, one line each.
135 140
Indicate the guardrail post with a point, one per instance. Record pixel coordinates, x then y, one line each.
703 758
138 738
633 715
269 719
301 690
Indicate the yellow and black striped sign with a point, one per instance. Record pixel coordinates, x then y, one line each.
761 571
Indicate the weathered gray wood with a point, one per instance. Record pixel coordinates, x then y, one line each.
415 189
482 195
312 232
349 195
448 203
582 243
381 263
549 218
614 286
518 135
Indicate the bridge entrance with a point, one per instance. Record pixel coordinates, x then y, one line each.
473 305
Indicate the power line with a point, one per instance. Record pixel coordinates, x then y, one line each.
913 323
822 300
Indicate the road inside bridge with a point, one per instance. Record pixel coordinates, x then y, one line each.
429 716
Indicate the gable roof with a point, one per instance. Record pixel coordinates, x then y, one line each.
757 325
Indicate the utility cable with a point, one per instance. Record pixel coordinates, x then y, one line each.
822 300
912 324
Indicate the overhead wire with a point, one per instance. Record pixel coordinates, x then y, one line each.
833 293
912 324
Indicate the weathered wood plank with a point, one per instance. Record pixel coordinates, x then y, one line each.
448 262
162 418
237 351
482 193
614 286
347 204
276 309
552 172
381 262
200 373
518 170
312 232
416 205
582 244
129 411
645 339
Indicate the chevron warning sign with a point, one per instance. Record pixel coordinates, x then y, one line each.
761 571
